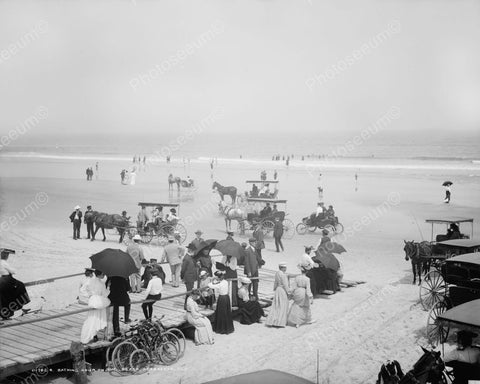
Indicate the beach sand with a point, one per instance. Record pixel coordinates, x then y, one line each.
355 331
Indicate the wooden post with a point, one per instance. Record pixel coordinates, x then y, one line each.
79 365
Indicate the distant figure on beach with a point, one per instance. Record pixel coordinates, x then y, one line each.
122 175
447 194
96 170
356 182
275 174
144 160
133 177
76 219
134 158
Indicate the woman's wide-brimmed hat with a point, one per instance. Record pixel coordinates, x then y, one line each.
244 280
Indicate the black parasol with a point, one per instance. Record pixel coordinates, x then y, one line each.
205 245
331 247
447 183
114 262
231 248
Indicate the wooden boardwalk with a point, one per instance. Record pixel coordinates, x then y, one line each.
27 343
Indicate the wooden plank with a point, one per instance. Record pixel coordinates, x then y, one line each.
38 334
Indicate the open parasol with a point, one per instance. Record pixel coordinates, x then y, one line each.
205 245
231 248
328 260
114 262
447 183
331 247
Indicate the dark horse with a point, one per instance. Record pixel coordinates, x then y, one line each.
416 251
222 191
104 220
428 369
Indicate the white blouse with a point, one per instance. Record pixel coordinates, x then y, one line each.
221 288
5 268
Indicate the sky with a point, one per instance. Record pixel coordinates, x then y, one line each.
149 67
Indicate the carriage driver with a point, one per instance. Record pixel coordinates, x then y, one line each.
266 211
142 218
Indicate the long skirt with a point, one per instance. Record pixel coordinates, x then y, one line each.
300 312
203 329
248 312
13 296
279 309
96 321
223 316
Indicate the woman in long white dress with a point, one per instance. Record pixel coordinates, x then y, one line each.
279 309
97 317
133 176
203 327
300 312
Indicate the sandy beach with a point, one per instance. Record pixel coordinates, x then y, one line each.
356 330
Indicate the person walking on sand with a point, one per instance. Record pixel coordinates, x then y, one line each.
122 176
278 314
173 253
88 220
447 193
300 312
133 176
76 219
136 253
278 233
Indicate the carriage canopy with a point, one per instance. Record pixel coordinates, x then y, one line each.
262 181
158 204
465 314
467 258
451 220
461 243
262 200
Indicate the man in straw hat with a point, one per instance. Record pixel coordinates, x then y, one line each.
173 253
136 253
198 239
76 219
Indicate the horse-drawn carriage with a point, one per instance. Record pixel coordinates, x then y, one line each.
453 282
158 228
450 222
311 223
265 218
264 192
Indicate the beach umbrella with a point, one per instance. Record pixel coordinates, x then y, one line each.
205 245
231 248
328 260
114 262
447 183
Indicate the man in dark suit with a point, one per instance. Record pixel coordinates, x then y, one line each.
252 265
76 219
88 220
278 233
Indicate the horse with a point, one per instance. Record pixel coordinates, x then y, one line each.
231 213
173 180
415 252
428 369
390 373
104 220
222 191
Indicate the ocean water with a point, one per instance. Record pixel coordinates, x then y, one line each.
407 151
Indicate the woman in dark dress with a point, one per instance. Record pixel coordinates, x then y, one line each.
119 288
249 310
13 295
223 313
230 264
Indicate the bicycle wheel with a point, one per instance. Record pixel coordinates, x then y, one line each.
168 353
179 339
139 361
288 229
121 357
339 228
109 352
301 229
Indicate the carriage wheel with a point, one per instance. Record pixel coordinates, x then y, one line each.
432 289
339 228
267 226
182 231
435 332
288 229
311 228
241 227
301 229
167 230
